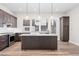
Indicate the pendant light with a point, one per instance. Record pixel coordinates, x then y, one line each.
39 11
51 14
51 11
50 22
27 17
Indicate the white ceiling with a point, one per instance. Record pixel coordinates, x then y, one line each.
42 7
64 7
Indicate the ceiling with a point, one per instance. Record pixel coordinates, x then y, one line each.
64 7
40 8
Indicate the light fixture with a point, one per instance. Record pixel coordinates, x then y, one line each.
39 12
27 17
51 12
52 15
39 17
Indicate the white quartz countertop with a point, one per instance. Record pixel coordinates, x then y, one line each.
2 34
38 35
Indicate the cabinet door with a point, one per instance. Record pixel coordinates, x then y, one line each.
3 41
5 18
8 18
30 42
1 18
11 21
48 42
45 42
14 21
66 31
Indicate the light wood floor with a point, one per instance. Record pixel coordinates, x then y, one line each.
64 48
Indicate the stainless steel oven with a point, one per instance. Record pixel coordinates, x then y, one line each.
11 39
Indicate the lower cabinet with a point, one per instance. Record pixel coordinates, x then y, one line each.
3 41
17 37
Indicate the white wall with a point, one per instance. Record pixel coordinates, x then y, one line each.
58 15
74 25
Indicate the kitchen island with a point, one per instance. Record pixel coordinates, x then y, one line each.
38 41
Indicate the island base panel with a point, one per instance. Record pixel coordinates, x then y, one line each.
39 42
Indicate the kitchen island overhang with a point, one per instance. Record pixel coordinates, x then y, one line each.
38 41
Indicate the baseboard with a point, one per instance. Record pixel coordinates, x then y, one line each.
74 43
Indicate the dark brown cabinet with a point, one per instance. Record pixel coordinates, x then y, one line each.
8 19
1 18
17 37
64 28
14 21
48 42
3 41
39 42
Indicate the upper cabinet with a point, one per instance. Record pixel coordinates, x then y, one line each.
14 21
7 19
1 18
